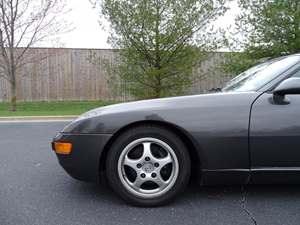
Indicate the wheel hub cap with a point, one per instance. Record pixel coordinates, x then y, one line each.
148 167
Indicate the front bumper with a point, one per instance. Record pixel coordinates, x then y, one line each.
83 161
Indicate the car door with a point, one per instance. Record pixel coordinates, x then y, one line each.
274 139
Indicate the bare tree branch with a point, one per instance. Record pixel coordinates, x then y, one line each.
25 23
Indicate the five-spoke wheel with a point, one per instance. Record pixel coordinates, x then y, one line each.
148 165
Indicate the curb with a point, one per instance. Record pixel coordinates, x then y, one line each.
36 118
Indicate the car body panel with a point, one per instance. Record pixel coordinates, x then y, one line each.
275 139
83 162
220 136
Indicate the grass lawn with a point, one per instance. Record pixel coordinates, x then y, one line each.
51 108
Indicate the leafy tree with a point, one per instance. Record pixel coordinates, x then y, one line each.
265 28
160 41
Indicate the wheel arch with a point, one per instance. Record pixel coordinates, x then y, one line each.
183 134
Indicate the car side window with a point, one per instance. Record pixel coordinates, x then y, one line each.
297 74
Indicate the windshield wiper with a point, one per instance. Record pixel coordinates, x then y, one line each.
215 90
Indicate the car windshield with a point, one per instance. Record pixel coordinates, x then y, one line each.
258 76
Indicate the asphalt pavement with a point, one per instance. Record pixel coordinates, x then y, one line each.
35 190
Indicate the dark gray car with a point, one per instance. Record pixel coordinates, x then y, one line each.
247 133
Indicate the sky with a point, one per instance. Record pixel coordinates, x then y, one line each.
87 32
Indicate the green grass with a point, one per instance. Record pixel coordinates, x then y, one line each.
51 108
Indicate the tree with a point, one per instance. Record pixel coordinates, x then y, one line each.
160 41
24 23
265 28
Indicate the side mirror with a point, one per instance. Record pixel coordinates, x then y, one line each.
290 86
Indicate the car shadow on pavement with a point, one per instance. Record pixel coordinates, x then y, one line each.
195 193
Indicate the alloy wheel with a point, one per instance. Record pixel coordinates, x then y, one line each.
148 167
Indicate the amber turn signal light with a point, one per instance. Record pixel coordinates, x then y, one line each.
62 148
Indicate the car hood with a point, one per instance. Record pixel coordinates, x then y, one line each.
153 104
191 101
174 110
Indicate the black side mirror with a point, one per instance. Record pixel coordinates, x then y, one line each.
290 86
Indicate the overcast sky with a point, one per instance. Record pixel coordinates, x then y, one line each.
87 32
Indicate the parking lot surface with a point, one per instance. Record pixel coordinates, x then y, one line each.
34 189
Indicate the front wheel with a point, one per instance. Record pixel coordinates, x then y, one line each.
148 166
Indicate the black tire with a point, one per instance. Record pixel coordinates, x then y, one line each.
151 131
